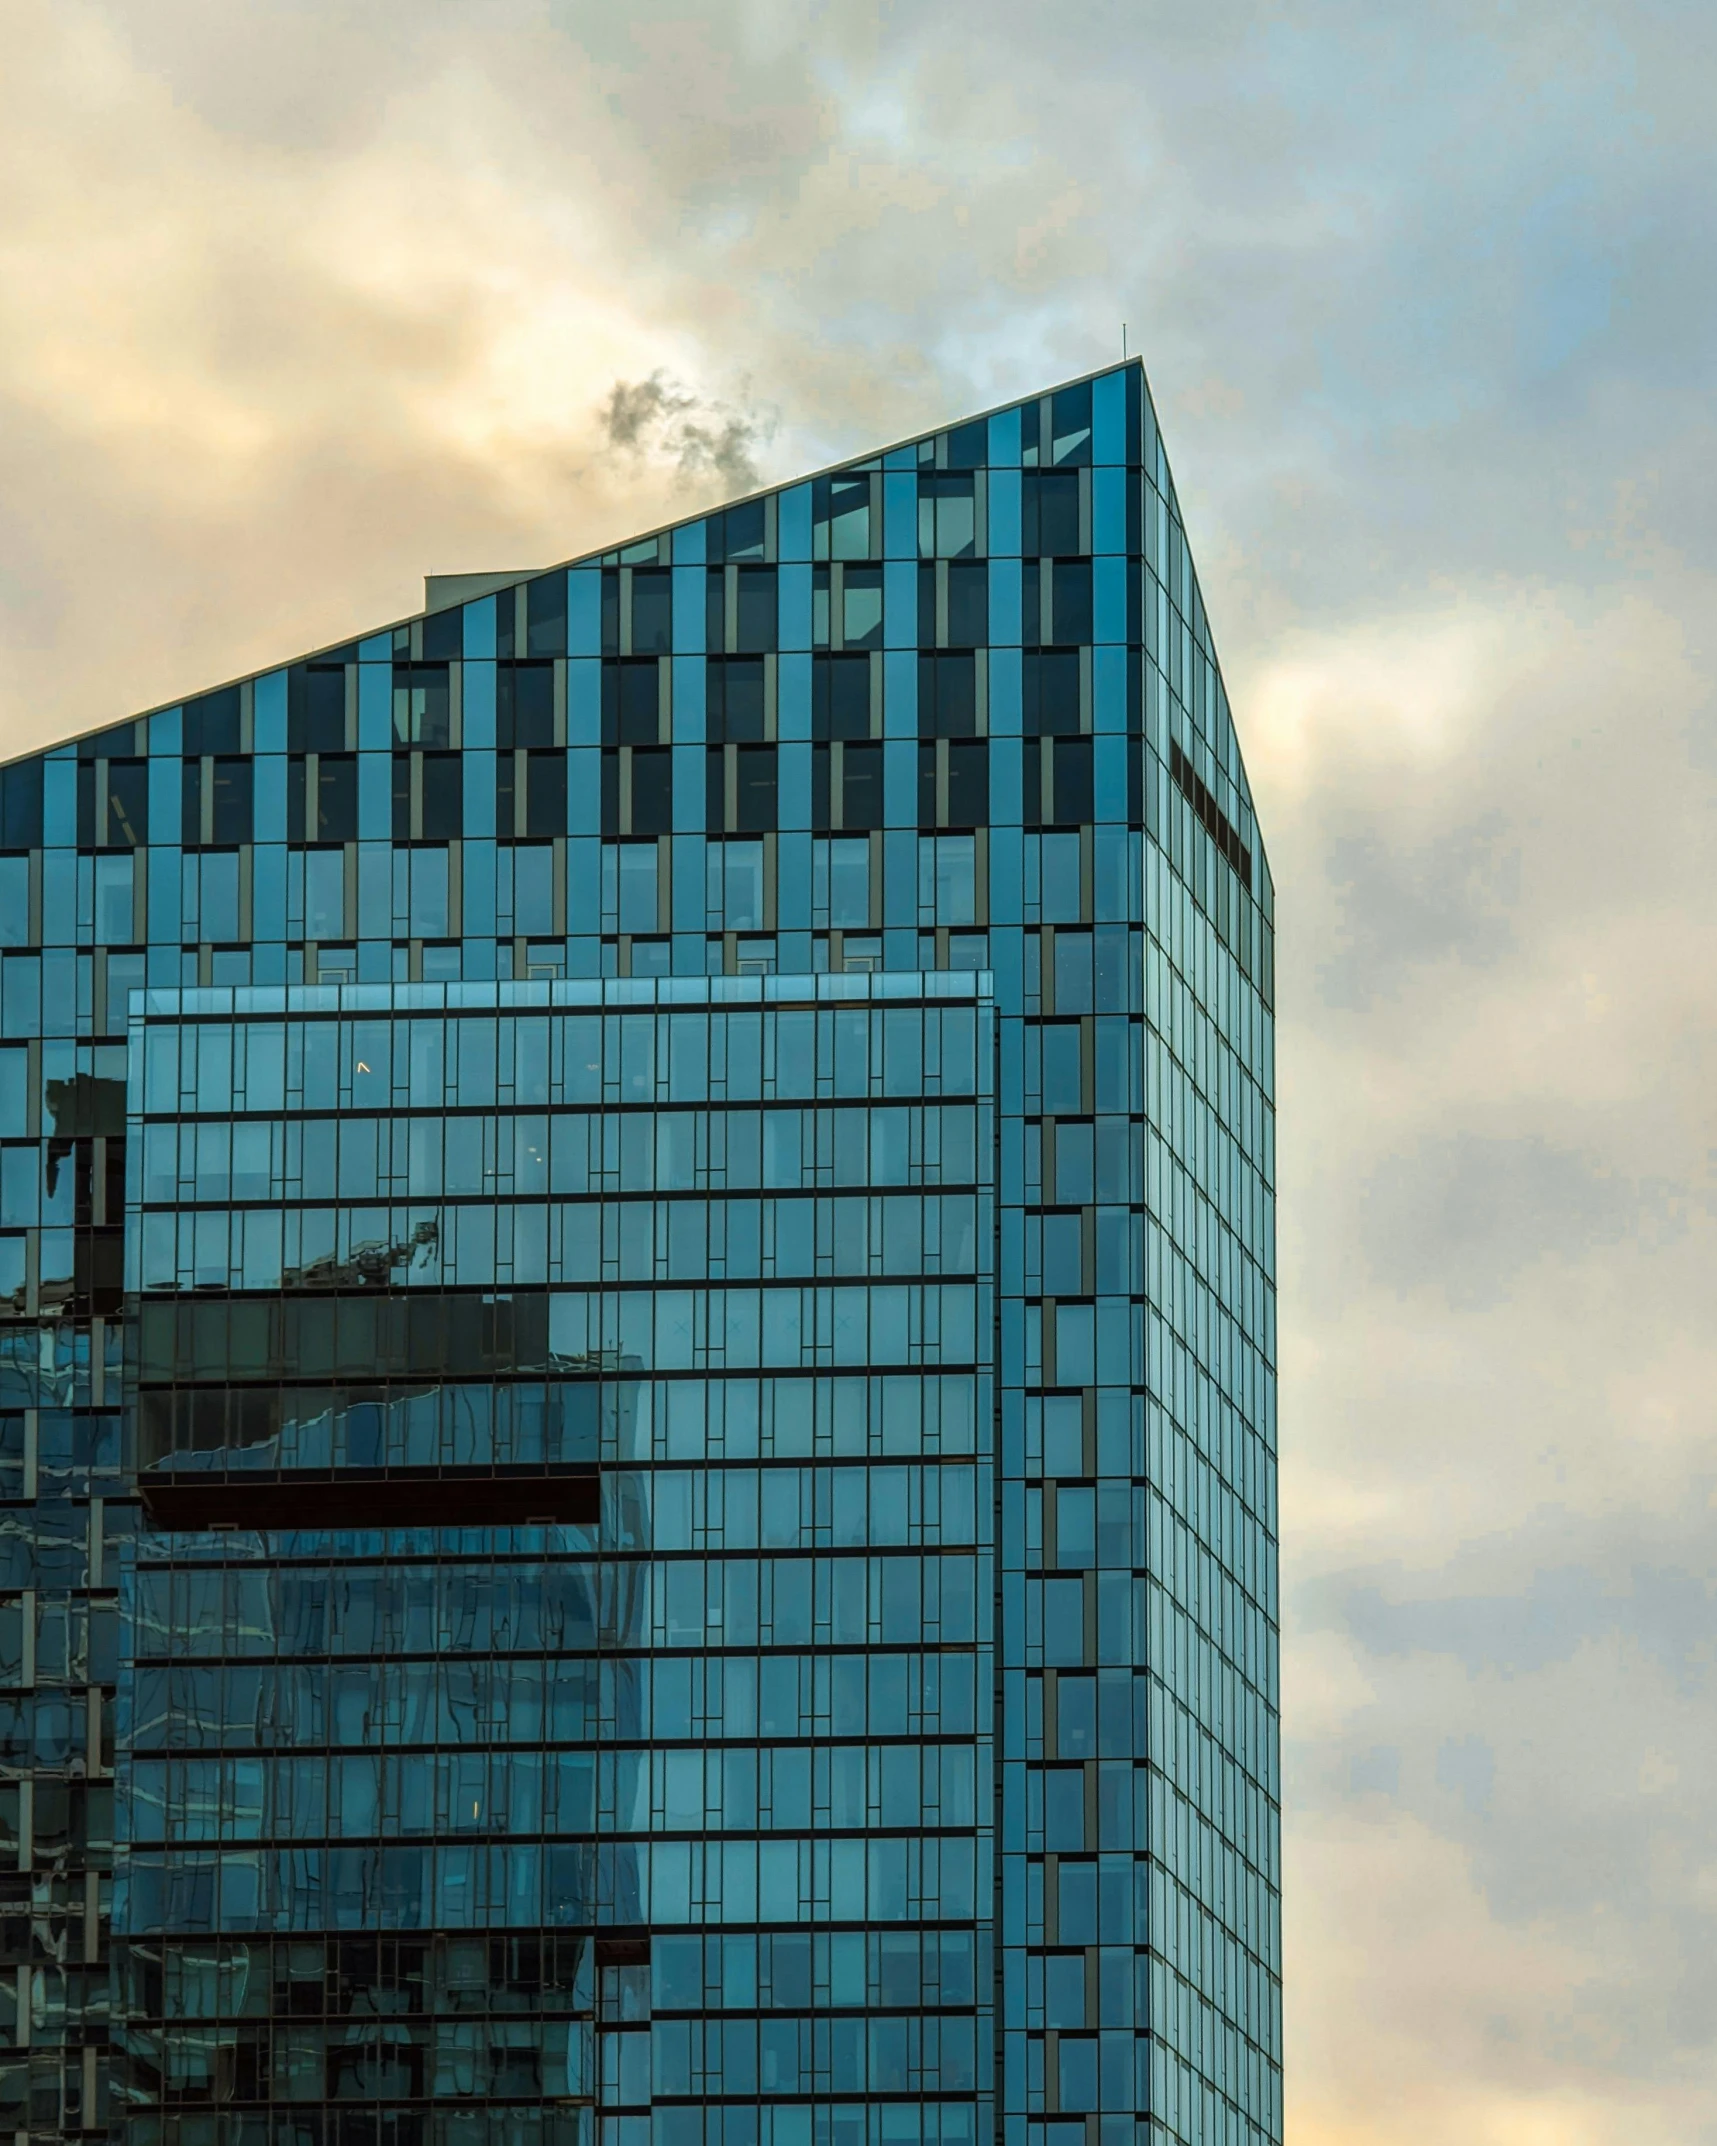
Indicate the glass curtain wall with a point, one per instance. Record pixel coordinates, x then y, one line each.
950 710
671 1787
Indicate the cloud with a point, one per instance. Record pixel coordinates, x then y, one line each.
700 439
298 301
1465 1213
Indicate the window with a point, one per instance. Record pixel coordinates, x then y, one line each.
755 789
734 710
840 509
861 607
15 898
846 788
1051 692
1210 814
212 724
322 798
435 812
443 797
1070 424
444 635
840 884
316 708
755 611
967 803
652 612
545 794
1070 600
530 868
113 802
215 803
1052 875
954 783
545 616
21 806
324 905
637 791
968 445
739 532
968 604
427 916
629 887
947 880
421 704
631 702
1050 521
1061 795
734 891
524 704
115 923
742 789
947 526
840 697
947 696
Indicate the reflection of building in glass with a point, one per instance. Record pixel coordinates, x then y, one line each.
656 1516
606 1567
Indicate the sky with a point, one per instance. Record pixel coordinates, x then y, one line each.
300 300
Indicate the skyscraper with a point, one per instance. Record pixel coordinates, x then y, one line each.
637 1361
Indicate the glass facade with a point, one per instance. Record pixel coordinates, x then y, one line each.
637 1419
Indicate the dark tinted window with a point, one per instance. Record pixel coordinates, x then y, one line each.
211 724
734 711
545 794
1051 691
631 703
1051 513
443 796
738 533
1070 424
861 607
968 783
840 697
233 787
21 806
524 704
119 743
545 616
968 445
444 635
652 792
652 612
947 697
229 793
754 797
316 708
967 802
861 788
1072 781
968 604
336 798
117 810
1070 599
754 630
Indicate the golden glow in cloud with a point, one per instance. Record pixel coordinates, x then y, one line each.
298 302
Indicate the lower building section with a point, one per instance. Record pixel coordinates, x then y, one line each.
557 1670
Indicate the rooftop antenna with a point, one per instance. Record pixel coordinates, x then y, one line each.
1123 342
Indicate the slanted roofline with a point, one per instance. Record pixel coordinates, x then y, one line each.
587 557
